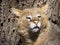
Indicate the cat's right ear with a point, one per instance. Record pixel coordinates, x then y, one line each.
17 12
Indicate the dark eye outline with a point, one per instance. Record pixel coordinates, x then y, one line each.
28 17
39 16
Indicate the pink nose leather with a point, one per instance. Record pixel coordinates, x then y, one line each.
36 22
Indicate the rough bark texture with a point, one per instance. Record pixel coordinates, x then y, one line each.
8 26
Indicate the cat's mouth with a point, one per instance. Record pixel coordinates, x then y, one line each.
35 29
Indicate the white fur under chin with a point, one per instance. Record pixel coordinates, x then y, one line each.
35 30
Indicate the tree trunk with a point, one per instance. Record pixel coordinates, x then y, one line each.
8 23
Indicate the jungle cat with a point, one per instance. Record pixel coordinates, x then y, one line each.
33 24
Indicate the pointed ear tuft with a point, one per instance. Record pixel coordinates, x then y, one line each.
17 12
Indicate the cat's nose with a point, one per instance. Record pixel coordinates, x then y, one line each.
35 22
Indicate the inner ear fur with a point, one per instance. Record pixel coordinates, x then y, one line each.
17 12
44 8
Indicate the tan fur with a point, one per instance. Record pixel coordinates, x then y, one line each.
23 24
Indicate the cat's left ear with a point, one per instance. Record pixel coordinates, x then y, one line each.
17 12
44 8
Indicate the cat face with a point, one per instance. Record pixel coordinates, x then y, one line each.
32 19
34 22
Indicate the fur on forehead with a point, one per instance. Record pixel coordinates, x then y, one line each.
20 13
42 9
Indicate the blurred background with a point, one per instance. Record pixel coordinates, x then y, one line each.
8 23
